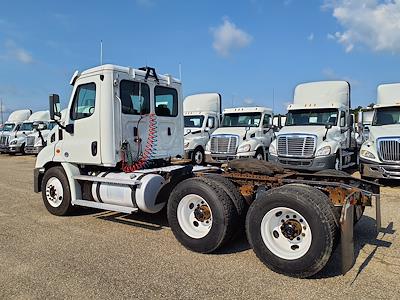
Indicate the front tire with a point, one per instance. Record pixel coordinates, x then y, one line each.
198 156
259 154
56 192
292 230
201 215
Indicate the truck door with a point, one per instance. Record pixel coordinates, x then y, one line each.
83 145
266 130
345 131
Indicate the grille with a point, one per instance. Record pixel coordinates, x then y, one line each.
389 149
30 141
224 144
296 145
4 140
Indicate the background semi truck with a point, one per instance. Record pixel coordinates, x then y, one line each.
202 113
318 133
11 127
244 132
380 153
114 151
37 140
18 143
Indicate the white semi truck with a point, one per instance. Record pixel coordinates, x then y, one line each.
202 113
318 133
113 152
380 152
11 127
37 140
18 143
244 132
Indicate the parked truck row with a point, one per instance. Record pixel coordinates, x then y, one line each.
115 146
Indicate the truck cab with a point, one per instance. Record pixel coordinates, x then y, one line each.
11 127
244 132
318 133
36 141
202 115
380 152
18 143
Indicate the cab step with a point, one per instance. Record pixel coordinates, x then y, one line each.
105 206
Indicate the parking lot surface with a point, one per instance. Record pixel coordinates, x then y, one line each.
96 254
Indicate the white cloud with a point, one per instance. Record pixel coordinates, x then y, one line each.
371 23
227 37
15 52
330 74
310 37
248 101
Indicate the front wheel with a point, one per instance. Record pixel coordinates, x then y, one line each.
292 230
198 157
56 193
259 154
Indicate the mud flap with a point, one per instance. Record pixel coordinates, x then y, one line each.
346 240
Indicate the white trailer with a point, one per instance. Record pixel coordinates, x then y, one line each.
380 152
18 143
202 114
113 152
11 127
319 130
244 132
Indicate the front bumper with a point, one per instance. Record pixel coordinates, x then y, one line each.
221 158
3 149
379 171
309 164
33 150
14 149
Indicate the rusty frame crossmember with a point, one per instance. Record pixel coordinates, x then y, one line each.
343 191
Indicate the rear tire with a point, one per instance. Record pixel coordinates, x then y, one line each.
56 192
292 250
201 215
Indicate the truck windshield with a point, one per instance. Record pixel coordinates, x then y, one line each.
386 116
194 121
26 127
250 119
312 117
51 125
8 127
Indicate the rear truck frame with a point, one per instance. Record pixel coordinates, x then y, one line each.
294 220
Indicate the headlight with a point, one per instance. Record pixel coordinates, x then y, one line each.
367 154
272 150
244 148
186 144
13 142
326 150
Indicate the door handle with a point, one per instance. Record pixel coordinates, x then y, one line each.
169 130
94 148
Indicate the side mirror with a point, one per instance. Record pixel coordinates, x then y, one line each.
328 126
207 129
54 104
210 123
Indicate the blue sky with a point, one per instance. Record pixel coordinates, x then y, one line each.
243 49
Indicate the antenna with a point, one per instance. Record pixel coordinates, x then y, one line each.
180 72
273 99
1 111
101 52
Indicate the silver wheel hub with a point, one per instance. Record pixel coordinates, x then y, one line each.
198 157
286 233
194 216
54 192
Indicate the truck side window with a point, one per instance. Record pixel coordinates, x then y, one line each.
166 101
132 103
266 120
84 101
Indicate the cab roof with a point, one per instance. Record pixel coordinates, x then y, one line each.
247 109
